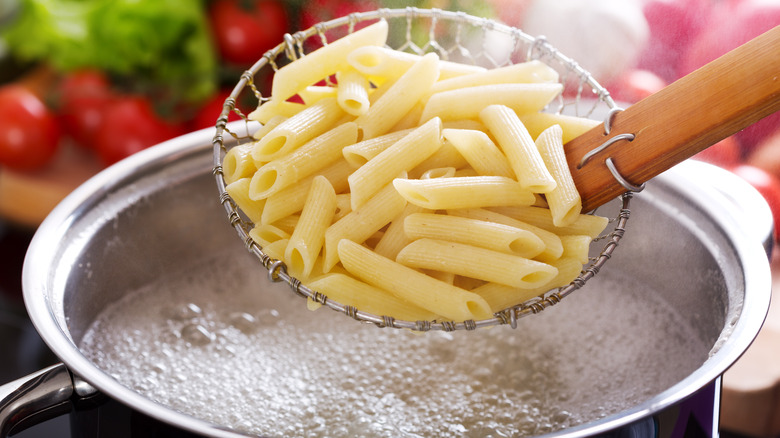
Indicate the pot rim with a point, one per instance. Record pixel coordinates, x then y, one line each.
715 198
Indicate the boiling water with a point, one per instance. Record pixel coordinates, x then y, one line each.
221 346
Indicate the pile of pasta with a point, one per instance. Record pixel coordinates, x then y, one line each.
411 186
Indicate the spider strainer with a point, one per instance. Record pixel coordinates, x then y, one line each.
454 36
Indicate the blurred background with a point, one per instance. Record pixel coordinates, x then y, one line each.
85 83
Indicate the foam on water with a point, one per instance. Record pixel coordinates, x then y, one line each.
218 346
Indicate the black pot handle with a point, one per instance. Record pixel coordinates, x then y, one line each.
38 397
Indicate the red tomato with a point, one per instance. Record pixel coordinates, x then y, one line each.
634 85
129 126
766 184
84 97
726 153
29 133
243 34
317 11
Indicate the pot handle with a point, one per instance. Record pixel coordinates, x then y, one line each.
40 396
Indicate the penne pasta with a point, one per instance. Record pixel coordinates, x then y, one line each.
265 235
522 98
446 156
304 161
238 163
395 237
325 61
534 71
479 151
473 261
350 291
407 284
576 247
309 234
587 224
564 200
359 153
399 98
500 296
362 223
463 192
402 156
353 91
572 126
519 148
297 130
381 63
291 199
239 191
484 234
270 109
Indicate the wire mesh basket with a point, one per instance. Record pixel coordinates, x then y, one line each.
454 36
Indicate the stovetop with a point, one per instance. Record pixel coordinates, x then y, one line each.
23 350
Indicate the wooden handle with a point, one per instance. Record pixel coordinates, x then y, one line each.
691 114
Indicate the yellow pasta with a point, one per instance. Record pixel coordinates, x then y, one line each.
572 126
527 72
309 234
297 130
265 235
519 148
350 291
239 191
307 159
576 247
443 299
564 200
479 151
586 224
522 98
402 156
291 199
359 153
381 64
362 223
500 296
395 237
463 192
473 261
446 156
401 97
325 61
353 91
488 235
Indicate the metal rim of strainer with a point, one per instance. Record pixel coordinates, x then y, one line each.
582 96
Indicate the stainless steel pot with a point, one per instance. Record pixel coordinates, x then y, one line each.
698 234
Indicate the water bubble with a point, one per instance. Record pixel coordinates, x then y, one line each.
243 321
186 312
196 334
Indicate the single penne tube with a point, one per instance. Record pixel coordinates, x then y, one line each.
382 63
297 130
359 153
353 292
410 285
500 296
466 103
325 61
309 234
401 156
564 200
399 98
476 262
361 223
353 90
292 198
275 249
576 247
238 163
484 234
446 156
264 235
239 192
314 93
587 224
534 71
395 238
304 161
343 206
463 192
268 126
479 151
518 147
269 109
572 126
553 248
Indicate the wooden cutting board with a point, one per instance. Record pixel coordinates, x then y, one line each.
26 198
750 402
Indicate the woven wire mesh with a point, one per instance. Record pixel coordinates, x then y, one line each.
454 36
